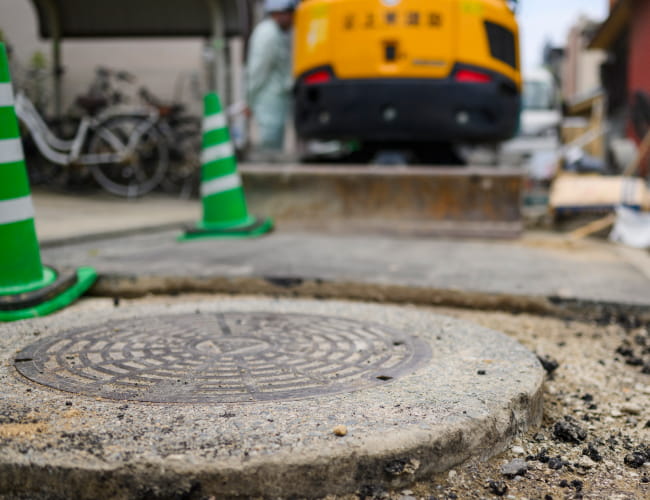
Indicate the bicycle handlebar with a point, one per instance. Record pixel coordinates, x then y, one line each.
102 72
148 97
125 76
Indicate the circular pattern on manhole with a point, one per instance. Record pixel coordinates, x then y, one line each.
224 357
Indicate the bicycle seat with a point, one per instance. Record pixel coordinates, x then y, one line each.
91 104
167 110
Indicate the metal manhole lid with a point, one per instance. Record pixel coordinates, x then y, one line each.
221 357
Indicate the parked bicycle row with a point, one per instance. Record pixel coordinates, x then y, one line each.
128 144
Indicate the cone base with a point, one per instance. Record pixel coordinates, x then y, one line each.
49 280
256 227
66 289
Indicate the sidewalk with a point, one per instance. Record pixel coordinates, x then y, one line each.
136 238
62 218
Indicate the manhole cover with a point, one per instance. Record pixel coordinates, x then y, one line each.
225 357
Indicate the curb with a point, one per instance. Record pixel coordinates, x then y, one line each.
107 235
126 286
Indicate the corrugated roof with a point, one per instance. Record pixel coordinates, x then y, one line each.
610 30
139 18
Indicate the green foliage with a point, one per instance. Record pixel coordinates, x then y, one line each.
38 61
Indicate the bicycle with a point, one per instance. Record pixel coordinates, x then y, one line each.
182 132
123 149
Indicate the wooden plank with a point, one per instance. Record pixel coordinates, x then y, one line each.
593 227
589 191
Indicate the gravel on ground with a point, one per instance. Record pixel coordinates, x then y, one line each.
594 442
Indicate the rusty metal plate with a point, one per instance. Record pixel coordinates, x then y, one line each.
412 201
219 358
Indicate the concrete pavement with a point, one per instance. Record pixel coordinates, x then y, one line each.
135 251
538 273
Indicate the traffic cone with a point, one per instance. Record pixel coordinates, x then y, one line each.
224 205
27 288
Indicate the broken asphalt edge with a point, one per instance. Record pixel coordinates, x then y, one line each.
131 286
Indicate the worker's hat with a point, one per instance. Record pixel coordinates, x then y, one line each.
279 5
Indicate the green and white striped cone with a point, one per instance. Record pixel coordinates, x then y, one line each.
224 205
27 288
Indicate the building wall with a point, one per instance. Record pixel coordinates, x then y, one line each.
160 64
569 65
581 71
639 57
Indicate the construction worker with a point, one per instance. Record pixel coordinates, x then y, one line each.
269 73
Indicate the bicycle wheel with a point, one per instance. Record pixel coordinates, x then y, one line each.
142 170
183 175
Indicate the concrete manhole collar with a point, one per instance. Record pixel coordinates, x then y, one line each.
224 357
458 391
